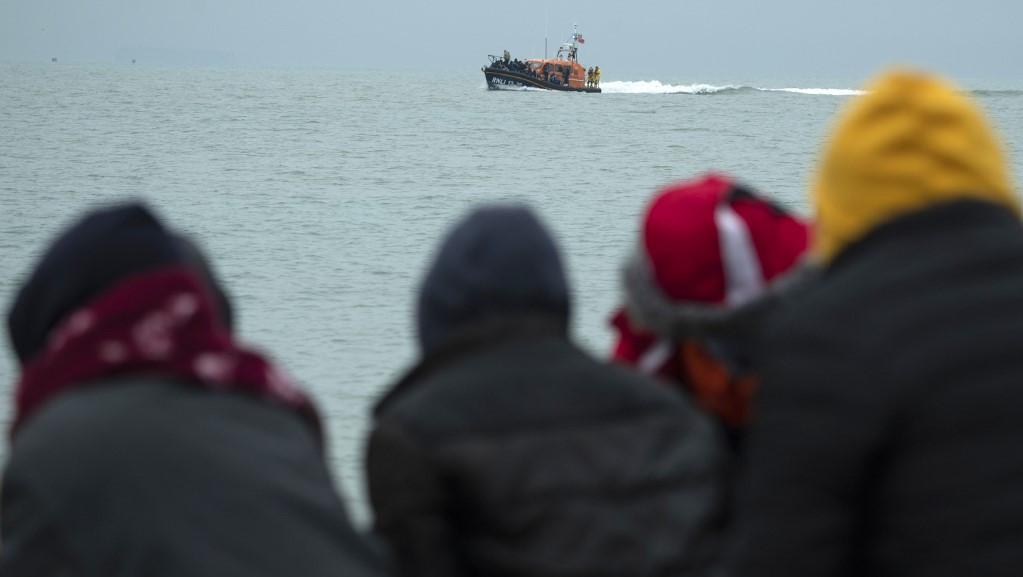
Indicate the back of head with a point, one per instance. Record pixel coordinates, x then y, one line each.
711 241
911 142
498 262
698 288
101 249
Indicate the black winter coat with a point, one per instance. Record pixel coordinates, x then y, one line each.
159 479
889 432
509 452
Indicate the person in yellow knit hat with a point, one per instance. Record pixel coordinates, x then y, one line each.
913 141
891 410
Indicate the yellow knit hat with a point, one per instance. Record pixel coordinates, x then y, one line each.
912 141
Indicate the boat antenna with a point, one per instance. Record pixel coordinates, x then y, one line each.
546 22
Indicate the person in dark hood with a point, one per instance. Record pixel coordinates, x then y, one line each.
146 440
509 451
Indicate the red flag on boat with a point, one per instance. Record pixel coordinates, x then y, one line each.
581 39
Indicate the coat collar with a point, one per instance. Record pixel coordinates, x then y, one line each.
942 219
471 339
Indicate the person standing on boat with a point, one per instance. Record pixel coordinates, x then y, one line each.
589 77
510 451
596 76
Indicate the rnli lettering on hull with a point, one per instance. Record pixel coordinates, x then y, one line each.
497 79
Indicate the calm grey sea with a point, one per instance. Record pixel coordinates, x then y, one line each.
321 194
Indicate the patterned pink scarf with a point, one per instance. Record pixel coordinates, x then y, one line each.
160 322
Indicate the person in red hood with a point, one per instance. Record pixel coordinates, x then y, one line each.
710 258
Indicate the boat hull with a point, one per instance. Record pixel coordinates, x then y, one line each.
503 79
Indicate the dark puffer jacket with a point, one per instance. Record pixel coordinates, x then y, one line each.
510 452
151 477
892 412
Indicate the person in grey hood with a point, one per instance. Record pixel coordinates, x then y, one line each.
146 440
508 451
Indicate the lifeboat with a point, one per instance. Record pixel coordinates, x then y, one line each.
563 72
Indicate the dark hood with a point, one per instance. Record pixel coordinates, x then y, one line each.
105 246
498 262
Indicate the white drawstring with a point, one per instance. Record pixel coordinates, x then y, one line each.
651 362
744 280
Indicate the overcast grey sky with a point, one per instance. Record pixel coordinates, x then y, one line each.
695 40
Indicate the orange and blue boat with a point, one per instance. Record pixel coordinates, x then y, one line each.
563 72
